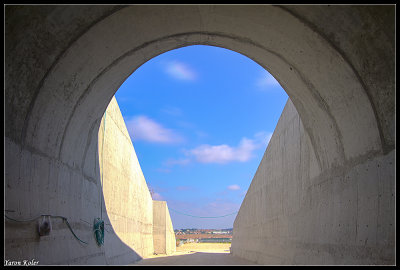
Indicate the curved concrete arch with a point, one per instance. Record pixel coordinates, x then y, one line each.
64 64
326 92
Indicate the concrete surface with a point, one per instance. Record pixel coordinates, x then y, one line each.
296 214
128 202
64 63
163 231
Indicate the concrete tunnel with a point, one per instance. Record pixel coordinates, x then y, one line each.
331 196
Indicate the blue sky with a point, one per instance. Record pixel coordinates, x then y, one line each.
200 118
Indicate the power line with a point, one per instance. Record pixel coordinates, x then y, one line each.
200 216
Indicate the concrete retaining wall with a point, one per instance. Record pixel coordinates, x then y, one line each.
128 202
295 213
163 232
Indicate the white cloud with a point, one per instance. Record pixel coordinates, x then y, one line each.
143 128
180 71
221 154
224 153
233 187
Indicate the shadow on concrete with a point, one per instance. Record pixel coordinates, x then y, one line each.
197 258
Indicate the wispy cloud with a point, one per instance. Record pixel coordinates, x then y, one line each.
173 111
221 207
184 188
163 170
157 197
206 207
171 162
263 137
144 128
234 187
265 81
180 71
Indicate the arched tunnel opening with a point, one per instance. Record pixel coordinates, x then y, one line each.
65 63
196 143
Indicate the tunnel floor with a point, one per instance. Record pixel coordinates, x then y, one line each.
197 254
196 258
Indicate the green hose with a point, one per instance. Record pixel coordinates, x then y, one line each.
98 229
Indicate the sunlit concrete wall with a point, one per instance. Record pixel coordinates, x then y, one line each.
127 198
163 231
296 213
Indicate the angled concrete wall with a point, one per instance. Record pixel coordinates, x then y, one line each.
296 213
139 222
128 202
163 231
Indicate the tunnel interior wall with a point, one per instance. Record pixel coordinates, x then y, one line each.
37 184
295 213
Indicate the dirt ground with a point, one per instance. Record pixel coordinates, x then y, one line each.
197 254
205 247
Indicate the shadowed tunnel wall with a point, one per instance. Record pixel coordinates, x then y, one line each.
63 64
